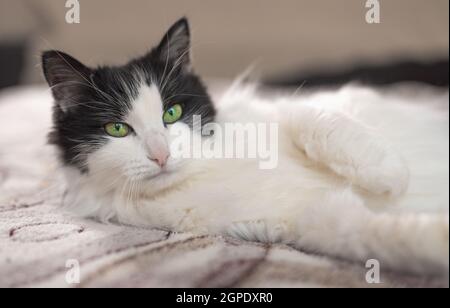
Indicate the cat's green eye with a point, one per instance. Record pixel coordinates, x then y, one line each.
117 130
173 114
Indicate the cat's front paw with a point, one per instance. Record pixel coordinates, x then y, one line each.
390 176
378 172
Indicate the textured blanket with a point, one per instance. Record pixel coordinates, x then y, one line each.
41 245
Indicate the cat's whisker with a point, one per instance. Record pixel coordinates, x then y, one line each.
124 188
297 90
178 62
133 187
136 192
130 188
112 185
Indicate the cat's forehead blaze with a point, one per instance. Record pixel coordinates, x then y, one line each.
146 110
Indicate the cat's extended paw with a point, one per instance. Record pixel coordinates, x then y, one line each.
385 174
389 177
351 150
257 231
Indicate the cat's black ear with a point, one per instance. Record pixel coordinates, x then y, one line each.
68 78
176 44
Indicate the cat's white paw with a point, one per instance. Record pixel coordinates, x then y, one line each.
258 231
387 174
351 150
389 177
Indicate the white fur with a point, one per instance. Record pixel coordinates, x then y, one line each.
354 167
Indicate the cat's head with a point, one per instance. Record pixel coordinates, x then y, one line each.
113 123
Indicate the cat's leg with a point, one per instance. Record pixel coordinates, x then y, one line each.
340 225
343 227
348 148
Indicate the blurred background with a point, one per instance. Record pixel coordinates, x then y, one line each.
289 41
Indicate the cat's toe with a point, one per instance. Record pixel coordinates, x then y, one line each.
390 177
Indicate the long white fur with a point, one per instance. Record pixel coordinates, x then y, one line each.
361 175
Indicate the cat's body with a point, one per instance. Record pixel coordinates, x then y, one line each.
346 160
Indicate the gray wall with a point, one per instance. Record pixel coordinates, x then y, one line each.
230 35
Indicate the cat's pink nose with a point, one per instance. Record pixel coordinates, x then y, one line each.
160 159
157 148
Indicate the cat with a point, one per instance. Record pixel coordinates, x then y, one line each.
346 160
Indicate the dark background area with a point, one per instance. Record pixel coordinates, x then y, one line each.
434 73
12 63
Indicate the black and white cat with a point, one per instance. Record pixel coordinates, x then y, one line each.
344 158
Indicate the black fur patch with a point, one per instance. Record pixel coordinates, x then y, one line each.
86 99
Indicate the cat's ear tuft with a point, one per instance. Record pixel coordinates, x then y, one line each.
67 77
176 44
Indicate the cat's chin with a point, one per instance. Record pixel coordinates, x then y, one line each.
162 182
